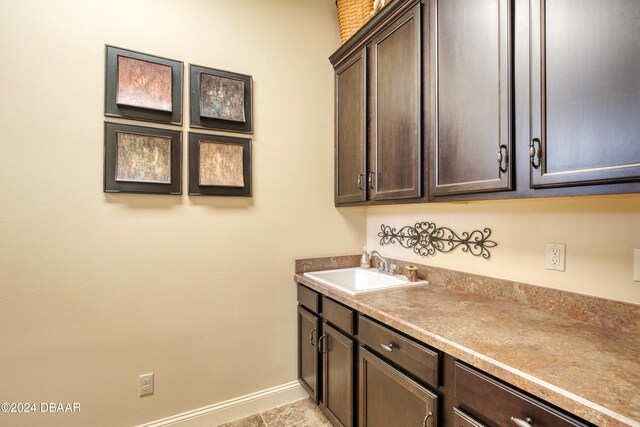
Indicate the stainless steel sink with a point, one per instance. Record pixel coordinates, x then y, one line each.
356 281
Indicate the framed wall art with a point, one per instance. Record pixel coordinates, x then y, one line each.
219 165
220 100
139 159
143 87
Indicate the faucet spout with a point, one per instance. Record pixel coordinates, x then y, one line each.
385 263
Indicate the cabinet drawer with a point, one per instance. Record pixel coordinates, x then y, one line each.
309 298
418 360
499 402
460 419
338 315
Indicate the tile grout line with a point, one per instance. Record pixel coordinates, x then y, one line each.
263 420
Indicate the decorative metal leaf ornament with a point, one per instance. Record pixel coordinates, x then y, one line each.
425 238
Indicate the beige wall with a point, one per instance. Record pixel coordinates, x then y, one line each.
600 234
96 289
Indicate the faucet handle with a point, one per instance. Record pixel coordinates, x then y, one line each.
393 268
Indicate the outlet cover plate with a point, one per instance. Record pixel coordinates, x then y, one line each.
636 265
555 256
145 384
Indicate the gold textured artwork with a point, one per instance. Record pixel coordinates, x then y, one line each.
221 98
221 164
143 158
143 84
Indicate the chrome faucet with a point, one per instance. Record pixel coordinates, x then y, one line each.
386 267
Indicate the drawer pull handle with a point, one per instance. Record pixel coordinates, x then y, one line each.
503 159
535 153
389 347
424 422
360 178
321 348
528 422
311 337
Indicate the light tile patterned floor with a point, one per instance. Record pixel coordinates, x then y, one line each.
302 413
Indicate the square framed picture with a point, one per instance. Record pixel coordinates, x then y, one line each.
220 100
139 159
143 87
219 165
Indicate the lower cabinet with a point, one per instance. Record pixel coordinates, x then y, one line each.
363 373
460 419
338 377
308 333
389 398
502 405
326 355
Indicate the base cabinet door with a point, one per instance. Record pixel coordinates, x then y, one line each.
388 398
337 376
308 332
585 92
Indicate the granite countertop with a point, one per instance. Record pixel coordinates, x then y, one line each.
590 370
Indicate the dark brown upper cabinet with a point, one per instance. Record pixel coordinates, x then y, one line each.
378 109
585 92
471 120
395 106
350 128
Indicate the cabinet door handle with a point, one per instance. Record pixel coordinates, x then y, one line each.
371 174
503 159
311 337
527 422
424 422
360 178
320 341
535 153
389 347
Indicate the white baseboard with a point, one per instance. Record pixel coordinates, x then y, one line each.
233 409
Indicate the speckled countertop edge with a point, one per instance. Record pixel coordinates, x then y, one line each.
565 399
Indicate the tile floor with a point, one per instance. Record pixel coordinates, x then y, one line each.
302 413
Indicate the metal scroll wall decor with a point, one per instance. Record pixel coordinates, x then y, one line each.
425 238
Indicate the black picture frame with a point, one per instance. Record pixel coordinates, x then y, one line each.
114 109
199 120
195 187
113 185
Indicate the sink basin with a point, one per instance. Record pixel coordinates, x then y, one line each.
356 281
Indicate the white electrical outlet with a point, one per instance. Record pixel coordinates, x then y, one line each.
636 265
555 256
145 384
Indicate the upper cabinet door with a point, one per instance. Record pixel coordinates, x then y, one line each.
471 120
350 139
585 92
396 159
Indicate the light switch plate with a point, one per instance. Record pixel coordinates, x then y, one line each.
555 256
636 265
